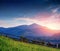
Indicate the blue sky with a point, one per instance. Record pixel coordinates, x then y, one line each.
21 8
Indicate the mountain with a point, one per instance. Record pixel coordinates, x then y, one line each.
33 30
56 36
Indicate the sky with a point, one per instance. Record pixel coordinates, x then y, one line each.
25 12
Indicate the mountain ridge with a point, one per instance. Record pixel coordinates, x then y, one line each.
28 30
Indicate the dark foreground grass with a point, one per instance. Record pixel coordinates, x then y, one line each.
7 44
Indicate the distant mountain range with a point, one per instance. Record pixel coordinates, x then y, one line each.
56 36
33 30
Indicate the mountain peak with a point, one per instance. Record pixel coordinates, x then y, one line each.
34 24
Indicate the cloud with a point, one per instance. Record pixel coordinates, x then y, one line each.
17 22
28 20
55 10
55 15
10 23
3 23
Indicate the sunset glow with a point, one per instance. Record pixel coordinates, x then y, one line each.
27 21
53 27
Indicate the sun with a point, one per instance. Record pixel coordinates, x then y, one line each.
53 27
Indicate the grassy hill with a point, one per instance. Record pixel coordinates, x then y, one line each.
7 44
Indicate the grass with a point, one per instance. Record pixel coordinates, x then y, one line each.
7 44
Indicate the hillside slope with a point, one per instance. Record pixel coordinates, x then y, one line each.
7 44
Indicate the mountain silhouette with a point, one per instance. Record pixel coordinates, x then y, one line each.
27 30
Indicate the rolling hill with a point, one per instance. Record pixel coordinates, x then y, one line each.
7 44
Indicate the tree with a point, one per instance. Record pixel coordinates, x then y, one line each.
23 39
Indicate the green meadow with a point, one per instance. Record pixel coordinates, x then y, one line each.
7 44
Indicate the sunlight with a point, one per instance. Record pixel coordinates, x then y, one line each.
53 27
